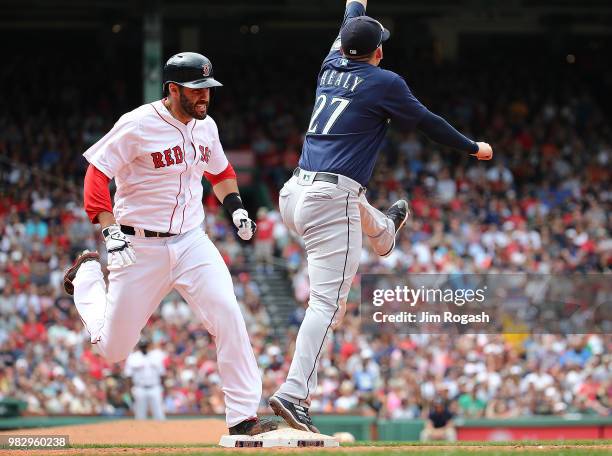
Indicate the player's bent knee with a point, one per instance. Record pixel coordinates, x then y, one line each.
321 303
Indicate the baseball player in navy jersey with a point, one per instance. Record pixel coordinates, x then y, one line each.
154 233
324 201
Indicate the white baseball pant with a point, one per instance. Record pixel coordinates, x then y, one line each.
330 218
148 398
191 264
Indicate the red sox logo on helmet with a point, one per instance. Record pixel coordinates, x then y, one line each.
204 154
206 69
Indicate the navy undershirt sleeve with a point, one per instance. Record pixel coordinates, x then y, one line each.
439 130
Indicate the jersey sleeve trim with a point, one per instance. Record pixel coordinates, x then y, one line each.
227 173
100 168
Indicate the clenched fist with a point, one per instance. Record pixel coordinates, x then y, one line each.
246 226
484 151
119 248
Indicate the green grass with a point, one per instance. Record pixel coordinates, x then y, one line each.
487 443
527 447
375 452
526 443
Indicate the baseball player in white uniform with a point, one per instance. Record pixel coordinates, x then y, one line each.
146 372
154 234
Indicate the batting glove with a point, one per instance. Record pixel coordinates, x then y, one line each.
485 152
119 248
246 226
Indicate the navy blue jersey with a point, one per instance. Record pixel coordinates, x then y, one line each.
355 102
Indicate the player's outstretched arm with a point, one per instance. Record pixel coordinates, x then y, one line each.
225 187
363 2
409 113
353 8
440 131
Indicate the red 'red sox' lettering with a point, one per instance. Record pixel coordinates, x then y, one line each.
178 154
158 159
170 156
204 154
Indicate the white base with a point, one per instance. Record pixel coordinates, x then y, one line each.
285 437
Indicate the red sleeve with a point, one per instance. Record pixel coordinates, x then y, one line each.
227 173
96 194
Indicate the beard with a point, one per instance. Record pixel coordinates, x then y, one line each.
190 108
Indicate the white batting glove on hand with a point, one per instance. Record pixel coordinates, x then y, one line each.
119 248
246 226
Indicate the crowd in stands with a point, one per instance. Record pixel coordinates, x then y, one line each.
542 205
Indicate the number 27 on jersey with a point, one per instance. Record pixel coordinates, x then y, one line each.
332 110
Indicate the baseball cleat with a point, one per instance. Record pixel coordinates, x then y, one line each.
398 213
294 415
253 426
71 273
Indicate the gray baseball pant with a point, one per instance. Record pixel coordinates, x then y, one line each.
330 218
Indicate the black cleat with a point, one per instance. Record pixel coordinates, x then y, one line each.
71 273
398 213
294 415
253 426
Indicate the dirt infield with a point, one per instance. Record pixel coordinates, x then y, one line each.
125 437
133 432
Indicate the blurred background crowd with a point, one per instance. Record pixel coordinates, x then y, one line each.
542 205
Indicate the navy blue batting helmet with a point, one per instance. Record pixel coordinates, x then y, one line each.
189 69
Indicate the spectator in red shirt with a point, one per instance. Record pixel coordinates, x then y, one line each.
33 330
264 240
19 271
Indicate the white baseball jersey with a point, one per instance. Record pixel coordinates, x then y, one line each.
144 370
158 163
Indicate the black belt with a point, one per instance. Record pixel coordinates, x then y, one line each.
131 231
324 177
